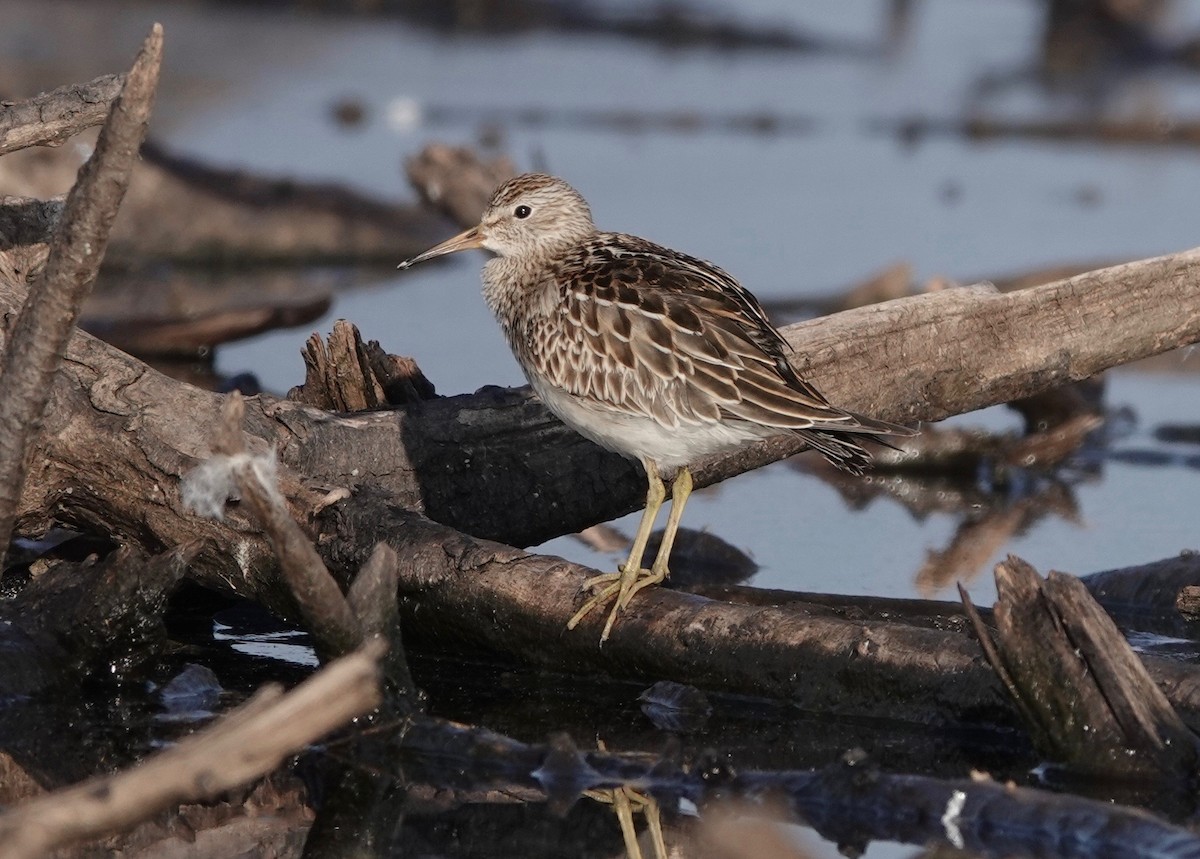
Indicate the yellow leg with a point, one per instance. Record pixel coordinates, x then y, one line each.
680 492
656 493
627 588
616 584
654 824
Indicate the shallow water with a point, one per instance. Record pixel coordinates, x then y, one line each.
799 212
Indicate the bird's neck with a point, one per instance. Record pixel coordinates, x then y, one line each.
518 288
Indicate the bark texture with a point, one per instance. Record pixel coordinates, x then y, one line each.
49 314
51 118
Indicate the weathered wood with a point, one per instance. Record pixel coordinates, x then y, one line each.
26 221
466 595
1147 587
456 181
1188 601
343 374
497 465
183 337
52 117
1084 696
463 594
39 337
187 212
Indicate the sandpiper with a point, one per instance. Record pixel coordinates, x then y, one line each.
659 356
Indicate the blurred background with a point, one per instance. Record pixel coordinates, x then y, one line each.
807 148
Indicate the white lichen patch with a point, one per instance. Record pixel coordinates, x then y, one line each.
207 487
242 555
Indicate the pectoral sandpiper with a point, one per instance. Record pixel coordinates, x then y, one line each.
651 353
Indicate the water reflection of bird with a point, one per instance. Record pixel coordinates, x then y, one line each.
656 355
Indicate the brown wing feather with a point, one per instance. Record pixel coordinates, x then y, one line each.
671 336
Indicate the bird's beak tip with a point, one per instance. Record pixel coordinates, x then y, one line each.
463 241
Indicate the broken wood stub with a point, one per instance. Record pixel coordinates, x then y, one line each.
1188 602
344 374
1086 698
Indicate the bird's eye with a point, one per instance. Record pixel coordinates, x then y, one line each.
522 211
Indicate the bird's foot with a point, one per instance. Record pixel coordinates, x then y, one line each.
618 588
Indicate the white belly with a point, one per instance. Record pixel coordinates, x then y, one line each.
643 438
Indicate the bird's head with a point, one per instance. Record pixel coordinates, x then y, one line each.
531 215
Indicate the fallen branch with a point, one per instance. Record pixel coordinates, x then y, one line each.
248 743
254 478
39 337
338 624
496 464
53 117
188 212
468 595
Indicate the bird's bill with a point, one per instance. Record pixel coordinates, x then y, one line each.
463 241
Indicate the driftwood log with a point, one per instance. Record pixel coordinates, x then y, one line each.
45 319
497 465
54 117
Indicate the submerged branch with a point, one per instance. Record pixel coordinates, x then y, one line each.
248 743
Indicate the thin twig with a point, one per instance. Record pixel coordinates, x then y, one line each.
327 614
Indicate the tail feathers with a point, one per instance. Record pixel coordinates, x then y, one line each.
871 427
844 450
840 449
